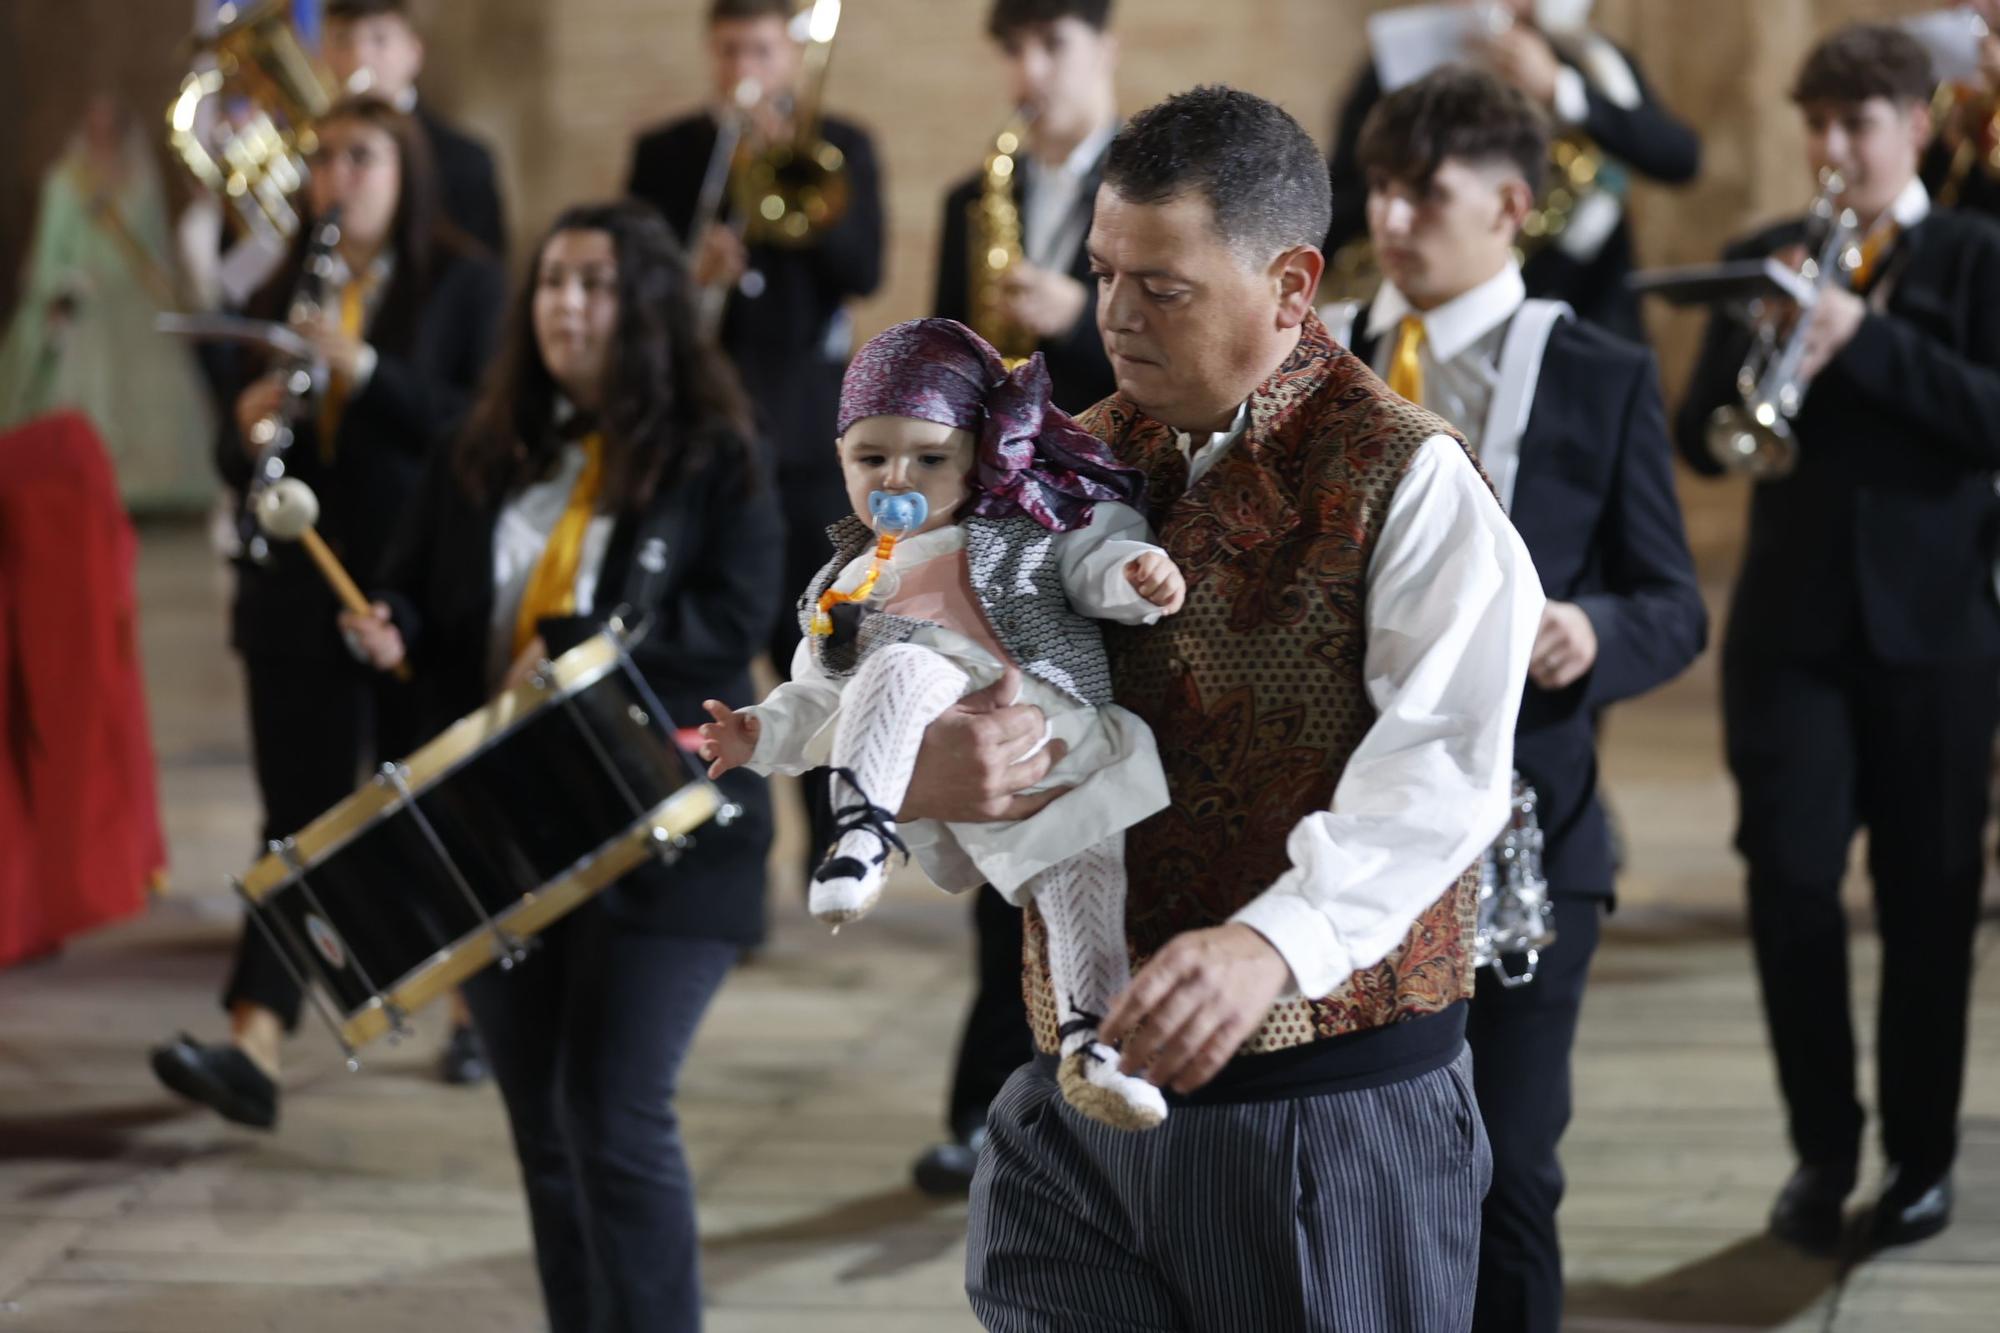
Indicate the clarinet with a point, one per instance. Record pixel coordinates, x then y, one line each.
303 378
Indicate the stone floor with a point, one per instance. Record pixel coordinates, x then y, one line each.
389 1202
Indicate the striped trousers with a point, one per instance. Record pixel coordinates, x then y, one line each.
1353 1211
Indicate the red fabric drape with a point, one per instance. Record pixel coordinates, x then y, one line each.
79 811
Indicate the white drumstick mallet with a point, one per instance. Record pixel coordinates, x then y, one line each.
287 511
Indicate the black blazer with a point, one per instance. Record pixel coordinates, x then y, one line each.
1078 366
467 180
1594 502
432 346
1647 138
698 565
779 338
1884 537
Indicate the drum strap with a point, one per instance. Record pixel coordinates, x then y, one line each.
551 589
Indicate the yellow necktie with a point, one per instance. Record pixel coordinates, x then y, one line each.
551 589
353 309
1406 374
1872 251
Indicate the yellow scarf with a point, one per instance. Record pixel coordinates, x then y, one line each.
353 309
1406 373
1873 251
551 589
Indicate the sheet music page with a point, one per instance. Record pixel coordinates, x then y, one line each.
1409 43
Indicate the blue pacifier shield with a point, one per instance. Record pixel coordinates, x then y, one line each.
897 513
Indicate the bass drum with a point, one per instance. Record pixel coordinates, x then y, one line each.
456 857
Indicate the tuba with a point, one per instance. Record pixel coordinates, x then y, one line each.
994 246
265 93
788 192
1754 435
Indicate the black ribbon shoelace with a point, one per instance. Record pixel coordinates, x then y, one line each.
864 816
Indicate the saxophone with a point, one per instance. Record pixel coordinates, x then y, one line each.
994 246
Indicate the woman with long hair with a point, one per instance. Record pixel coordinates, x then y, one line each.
608 469
405 331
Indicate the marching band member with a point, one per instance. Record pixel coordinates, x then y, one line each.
608 466
784 320
1590 87
373 46
1062 61
1568 422
1864 643
405 332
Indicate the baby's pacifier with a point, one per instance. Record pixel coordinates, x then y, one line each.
901 513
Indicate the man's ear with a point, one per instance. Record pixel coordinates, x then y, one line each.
1295 274
1516 202
1919 116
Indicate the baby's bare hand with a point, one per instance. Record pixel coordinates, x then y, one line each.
730 740
1158 580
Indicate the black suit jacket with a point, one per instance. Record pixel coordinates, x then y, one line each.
778 338
468 182
432 345
1594 503
1647 138
1078 367
698 566
1884 537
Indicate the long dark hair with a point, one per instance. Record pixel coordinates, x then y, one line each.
672 404
422 238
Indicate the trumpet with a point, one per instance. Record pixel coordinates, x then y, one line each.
788 192
302 378
994 245
1754 436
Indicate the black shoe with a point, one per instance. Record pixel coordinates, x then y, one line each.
463 1060
945 1170
219 1077
1909 1210
1808 1211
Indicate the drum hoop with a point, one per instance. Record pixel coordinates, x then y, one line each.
437 759
681 813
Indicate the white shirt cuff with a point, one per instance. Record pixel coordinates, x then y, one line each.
1303 936
1572 97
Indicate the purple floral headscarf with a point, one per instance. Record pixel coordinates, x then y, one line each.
1031 457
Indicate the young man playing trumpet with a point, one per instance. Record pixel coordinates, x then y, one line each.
1061 62
1859 673
1568 423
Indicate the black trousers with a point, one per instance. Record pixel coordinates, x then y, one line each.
586 1039
316 727
995 1041
1819 749
1521 1040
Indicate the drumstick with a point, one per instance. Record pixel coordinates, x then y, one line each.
287 510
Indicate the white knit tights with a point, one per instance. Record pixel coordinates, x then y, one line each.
897 692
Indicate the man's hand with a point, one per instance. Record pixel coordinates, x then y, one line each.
720 257
730 740
1194 1004
1524 58
1046 303
1830 325
1565 646
1158 580
975 761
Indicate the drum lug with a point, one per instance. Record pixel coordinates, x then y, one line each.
638 716
727 813
668 845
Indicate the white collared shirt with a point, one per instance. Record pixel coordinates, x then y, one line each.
1452 605
1201 457
1053 219
1460 354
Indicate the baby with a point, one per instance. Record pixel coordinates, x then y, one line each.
989 529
